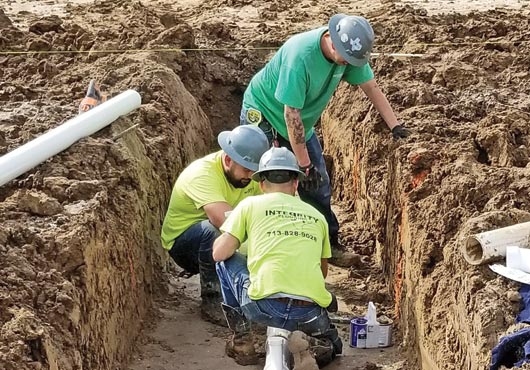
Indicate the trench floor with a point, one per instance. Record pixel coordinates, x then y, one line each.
180 339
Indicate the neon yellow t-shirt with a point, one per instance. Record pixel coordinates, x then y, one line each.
201 183
286 240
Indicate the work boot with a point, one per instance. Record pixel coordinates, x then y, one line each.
303 358
211 299
341 257
309 351
331 336
241 344
241 348
211 310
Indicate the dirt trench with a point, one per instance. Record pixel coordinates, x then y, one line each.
80 257
465 169
79 239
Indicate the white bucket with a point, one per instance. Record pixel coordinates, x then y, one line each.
278 355
385 331
385 335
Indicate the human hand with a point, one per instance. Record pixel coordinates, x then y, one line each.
334 305
400 132
312 179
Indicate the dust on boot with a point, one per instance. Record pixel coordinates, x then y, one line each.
310 353
299 346
241 345
341 257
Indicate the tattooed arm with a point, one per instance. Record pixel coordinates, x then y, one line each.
296 131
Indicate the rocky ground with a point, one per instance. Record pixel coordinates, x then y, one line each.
80 258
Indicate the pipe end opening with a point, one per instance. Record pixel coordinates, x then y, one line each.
473 252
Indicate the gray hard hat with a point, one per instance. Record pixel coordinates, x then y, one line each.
245 145
352 37
278 160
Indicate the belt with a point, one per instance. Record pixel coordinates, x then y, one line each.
294 301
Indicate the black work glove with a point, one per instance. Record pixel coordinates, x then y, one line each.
400 132
312 179
334 305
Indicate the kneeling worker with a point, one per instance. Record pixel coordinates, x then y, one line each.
204 191
281 283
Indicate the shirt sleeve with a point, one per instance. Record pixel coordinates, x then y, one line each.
358 75
201 192
326 246
235 224
291 87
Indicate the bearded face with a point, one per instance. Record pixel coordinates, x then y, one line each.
238 175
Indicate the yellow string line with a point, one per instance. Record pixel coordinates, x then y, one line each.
168 50
115 51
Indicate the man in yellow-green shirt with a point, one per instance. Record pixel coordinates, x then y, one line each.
207 189
281 282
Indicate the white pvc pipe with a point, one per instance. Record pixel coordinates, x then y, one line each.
491 245
29 155
278 354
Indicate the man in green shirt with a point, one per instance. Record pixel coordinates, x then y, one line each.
287 97
207 189
281 282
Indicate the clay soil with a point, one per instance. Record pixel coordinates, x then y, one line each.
84 283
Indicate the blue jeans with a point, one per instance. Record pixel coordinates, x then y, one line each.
321 198
192 250
312 320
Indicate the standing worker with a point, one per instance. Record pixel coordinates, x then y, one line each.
204 191
287 97
281 282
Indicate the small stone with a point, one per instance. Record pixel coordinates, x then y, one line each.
513 296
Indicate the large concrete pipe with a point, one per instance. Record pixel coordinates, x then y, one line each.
29 155
491 245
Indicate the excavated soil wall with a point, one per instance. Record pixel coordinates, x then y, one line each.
80 257
465 169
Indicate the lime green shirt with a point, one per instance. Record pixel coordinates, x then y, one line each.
201 183
299 76
286 239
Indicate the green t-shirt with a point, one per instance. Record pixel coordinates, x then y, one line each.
286 239
201 183
299 76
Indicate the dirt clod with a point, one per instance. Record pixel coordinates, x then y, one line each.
47 24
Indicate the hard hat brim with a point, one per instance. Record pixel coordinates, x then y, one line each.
257 175
358 62
222 139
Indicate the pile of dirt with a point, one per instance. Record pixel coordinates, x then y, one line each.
465 169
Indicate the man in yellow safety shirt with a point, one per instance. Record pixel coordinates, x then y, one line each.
207 189
281 282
